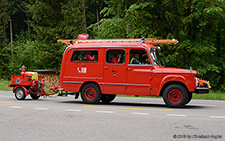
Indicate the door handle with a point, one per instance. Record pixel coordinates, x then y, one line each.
105 67
128 68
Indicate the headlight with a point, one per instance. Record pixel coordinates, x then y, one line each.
196 81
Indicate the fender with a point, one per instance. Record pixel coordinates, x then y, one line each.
25 89
170 78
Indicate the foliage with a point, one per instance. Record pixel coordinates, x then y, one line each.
199 25
4 54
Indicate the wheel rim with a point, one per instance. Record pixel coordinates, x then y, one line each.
19 94
90 93
175 96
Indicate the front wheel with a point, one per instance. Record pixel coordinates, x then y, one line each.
189 98
175 96
20 93
91 93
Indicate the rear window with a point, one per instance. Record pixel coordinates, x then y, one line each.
115 56
85 56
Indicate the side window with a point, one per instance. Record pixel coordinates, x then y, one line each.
115 56
85 56
139 56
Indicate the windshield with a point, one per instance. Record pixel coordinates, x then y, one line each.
155 57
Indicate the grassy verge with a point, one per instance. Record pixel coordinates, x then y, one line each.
211 95
4 85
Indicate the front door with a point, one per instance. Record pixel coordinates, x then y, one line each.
139 73
114 72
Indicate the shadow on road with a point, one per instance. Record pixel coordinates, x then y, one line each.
126 104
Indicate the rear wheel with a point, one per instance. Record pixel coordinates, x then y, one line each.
34 96
107 98
20 93
175 95
91 93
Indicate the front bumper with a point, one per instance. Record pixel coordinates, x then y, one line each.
201 90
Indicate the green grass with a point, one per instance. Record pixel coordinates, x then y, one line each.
211 95
4 85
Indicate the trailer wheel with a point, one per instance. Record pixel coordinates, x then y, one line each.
34 96
175 96
107 98
91 93
20 93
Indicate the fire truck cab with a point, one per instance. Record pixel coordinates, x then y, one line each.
102 69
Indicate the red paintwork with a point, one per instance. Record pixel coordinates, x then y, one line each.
126 79
34 87
25 89
22 80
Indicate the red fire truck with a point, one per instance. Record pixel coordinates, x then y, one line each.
100 69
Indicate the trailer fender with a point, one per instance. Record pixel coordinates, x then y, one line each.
25 89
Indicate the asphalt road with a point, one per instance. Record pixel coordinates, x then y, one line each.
126 119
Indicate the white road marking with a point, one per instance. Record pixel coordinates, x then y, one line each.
176 115
202 105
72 110
139 113
139 98
217 117
108 112
41 108
208 100
149 102
15 107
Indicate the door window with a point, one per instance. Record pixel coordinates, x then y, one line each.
139 57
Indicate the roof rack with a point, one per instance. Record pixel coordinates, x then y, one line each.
153 41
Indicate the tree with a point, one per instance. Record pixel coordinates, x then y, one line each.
4 18
198 25
52 20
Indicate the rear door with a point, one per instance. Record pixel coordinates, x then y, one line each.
114 72
82 65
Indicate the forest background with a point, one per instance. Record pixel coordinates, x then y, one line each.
29 30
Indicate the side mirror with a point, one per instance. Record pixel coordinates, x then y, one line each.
158 48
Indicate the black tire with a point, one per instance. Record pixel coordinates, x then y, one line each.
175 95
20 93
91 93
189 98
34 96
107 98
